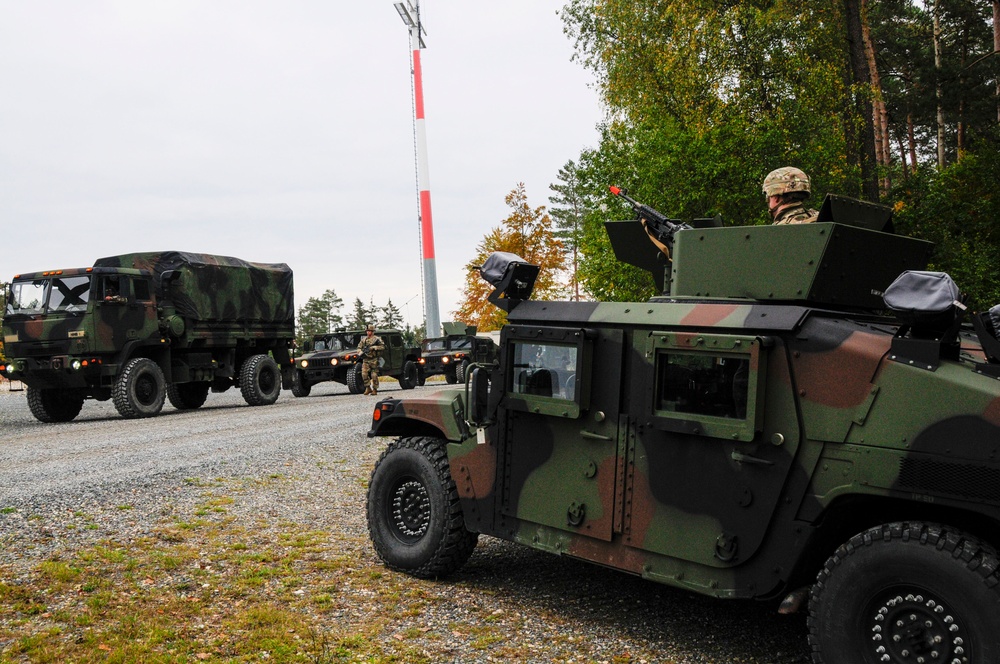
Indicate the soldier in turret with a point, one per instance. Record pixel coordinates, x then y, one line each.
371 347
786 190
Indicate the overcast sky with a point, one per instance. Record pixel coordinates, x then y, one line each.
279 132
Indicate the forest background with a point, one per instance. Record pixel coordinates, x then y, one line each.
890 101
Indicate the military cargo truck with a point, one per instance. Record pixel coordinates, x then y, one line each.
800 418
452 354
144 327
335 357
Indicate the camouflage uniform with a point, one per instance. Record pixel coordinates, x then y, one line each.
372 346
793 187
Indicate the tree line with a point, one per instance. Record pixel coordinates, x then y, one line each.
890 101
322 315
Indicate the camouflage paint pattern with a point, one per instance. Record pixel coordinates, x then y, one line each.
836 434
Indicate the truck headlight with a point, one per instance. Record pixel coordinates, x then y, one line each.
76 365
334 361
304 363
445 360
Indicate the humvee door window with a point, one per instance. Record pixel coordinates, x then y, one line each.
545 370
709 385
703 384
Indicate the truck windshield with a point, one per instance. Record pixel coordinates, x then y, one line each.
51 294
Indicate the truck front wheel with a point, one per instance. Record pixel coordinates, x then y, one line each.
415 517
188 396
140 389
260 380
54 405
907 592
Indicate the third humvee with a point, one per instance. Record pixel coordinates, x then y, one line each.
452 354
802 415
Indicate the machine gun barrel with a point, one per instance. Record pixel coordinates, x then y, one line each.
659 225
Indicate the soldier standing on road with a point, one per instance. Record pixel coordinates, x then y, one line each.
371 347
786 190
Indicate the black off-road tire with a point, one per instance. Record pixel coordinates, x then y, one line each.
415 517
188 396
355 384
903 591
140 389
450 375
409 376
260 380
461 371
300 384
52 405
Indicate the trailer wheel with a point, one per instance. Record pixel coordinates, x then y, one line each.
188 396
408 379
260 380
49 405
415 517
300 384
140 389
907 592
355 384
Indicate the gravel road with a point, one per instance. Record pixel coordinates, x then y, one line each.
50 475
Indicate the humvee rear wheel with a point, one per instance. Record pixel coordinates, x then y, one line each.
414 515
408 379
140 389
907 593
187 396
260 380
54 405
300 384
355 384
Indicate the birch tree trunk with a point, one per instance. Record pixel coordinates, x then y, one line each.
937 84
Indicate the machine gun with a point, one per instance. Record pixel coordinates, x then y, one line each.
659 226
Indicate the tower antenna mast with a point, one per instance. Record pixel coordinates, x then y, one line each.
410 14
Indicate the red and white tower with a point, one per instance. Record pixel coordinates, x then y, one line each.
432 316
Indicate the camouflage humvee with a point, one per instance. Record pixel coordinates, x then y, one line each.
335 357
452 354
766 429
141 328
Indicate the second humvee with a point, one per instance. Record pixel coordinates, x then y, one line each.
451 355
335 357
768 428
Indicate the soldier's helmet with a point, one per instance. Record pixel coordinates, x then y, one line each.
370 328
785 181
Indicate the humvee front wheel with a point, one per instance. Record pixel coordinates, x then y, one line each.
450 375
54 405
907 592
462 371
140 389
187 396
300 384
355 384
414 515
260 380
408 379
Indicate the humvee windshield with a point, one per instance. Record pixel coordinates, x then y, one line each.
336 343
434 344
48 295
463 343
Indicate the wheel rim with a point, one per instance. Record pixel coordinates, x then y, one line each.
145 390
410 511
913 626
266 381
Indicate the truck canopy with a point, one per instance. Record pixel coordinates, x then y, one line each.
216 288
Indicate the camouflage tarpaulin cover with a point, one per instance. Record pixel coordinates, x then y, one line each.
217 288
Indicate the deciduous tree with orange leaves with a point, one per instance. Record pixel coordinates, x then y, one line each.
527 232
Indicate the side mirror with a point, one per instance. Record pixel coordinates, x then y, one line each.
477 395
